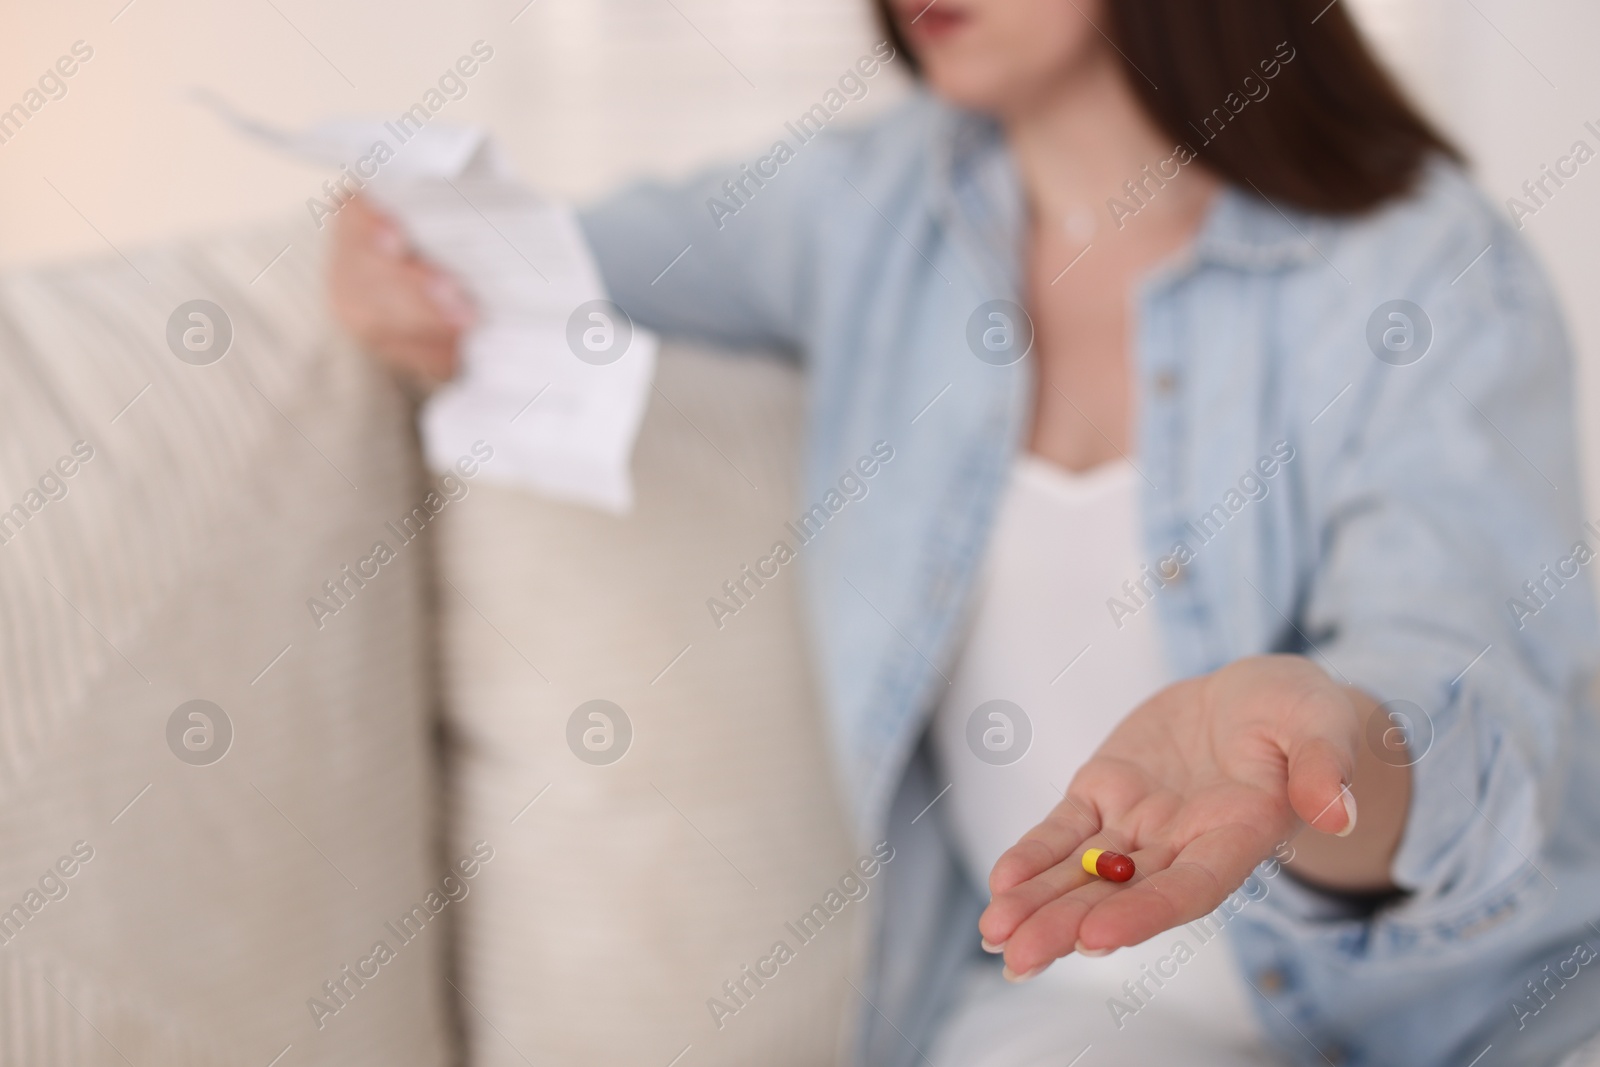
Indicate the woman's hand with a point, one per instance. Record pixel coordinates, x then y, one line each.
404 310
1198 785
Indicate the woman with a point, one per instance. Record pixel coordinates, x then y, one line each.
1226 426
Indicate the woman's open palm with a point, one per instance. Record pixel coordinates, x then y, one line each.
1198 785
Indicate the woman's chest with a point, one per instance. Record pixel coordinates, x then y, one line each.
1077 295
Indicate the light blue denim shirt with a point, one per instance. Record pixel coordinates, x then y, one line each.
1394 546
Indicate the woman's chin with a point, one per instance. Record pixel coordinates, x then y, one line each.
973 90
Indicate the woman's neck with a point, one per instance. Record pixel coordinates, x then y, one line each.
1079 142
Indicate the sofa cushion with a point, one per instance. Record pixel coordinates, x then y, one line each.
626 892
209 899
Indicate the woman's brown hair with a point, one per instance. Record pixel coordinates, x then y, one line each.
1280 96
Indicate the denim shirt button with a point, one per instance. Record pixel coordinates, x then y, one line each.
1272 981
1335 1054
1164 384
1176 575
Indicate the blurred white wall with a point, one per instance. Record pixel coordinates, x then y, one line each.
587 92
582 92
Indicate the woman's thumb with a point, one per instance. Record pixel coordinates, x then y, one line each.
1319 790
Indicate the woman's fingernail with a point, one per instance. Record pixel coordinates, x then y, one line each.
1350 810
1012 976
990 946
1092 953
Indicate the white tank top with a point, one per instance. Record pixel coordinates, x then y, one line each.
1044 642
1047 671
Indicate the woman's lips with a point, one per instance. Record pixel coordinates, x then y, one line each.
933 19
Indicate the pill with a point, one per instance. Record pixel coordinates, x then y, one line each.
1112 866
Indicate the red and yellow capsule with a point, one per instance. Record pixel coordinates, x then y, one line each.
1112 866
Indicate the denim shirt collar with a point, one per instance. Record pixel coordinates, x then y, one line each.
977 193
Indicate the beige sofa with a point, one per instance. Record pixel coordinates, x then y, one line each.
228 896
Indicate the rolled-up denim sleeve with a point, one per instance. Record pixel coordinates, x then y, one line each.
725 255
1448 484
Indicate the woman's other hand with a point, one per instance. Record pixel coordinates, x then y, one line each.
404 310
1198 785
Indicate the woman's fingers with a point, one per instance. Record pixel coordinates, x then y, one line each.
359 216
1065 909
402 308
1052 926
1010 908
1068 826
1193 884
1102 793
1047 863
407 296
448 298
412 299
1051 931
429 361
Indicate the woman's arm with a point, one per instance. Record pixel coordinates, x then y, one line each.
724 256
1441 488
